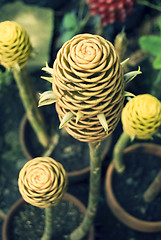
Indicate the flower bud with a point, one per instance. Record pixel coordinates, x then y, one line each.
15 46
42 182
141 117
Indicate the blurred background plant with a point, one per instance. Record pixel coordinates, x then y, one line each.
152 45
5 80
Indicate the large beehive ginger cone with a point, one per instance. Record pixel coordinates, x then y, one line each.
88 81
88 87
141 117
42 182
15 46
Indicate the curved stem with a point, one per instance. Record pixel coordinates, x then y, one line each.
84 22
148 4
118 152
81 10
53 143
28 97
154 189
94 192
49 230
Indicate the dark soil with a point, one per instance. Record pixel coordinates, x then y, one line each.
74 155
29 221
129 186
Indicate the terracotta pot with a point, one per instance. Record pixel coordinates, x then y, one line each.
74 176
119 212
19 204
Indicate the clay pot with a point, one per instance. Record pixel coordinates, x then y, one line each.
73 176
20 203
119 212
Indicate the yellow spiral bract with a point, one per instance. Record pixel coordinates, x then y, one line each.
141 117
42 182
88 79
15 46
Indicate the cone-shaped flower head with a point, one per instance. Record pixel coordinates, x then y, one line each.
42 182
88 83
141 117
15 46
88 87
111 10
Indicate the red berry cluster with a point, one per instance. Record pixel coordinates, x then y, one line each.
111 10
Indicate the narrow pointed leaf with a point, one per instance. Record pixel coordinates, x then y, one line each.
131 75
157 62
124 62
79 116
67 117
103 121
49 79
159 23
48 69
47 98
132 138
128 98
128 94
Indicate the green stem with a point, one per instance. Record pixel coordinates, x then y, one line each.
154 189
156 87
84 21
28 97
99 28
94 193
118 152
81 10
53 143
148 4
49 230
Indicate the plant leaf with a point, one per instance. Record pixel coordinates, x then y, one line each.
69 21
47 98
103 122
159 23
67 117
157 62
79 116
152 44
128 77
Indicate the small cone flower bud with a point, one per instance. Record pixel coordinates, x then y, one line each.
141 117
15 46
42 182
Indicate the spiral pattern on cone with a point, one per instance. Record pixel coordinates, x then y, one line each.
141 117
15 46
42 182
88 79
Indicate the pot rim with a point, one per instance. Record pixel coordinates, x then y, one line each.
119 212
74 175
20 202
